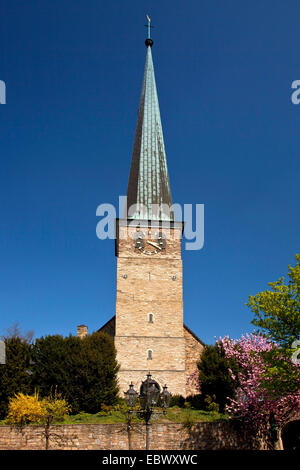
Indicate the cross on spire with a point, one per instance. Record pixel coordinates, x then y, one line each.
149 26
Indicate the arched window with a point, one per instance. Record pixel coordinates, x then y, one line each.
149 354
150 317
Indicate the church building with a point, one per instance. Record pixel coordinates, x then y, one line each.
148 328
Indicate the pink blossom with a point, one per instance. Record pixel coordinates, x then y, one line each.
252 402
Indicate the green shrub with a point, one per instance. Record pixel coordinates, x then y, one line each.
83 370
196 401
189 421
177 400
215 376
56 406
210 402
14 376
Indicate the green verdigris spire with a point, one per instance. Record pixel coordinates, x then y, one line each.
148 185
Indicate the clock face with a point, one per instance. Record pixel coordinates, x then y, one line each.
149 245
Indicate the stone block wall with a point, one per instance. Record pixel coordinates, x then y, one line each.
193 350
204 436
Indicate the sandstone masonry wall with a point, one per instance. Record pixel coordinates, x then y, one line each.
193 351
205 436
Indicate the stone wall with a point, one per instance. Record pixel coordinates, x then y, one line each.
204 436
193 350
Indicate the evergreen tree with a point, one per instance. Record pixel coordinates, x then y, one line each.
97 381
82 370
56 365
15 374
215 377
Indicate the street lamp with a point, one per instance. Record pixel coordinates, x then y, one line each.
149 393
165 398
131 396
150 396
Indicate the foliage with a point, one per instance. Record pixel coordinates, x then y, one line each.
15 374
196 401
106 410
281 376
277 311
255 400
174 414
56 406
82 370
189 421
55 365
25 409
177 400
211 404
270 382
97 373
215 376
187 405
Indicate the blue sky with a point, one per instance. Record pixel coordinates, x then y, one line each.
73 72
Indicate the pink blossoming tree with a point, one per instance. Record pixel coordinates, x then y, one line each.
255 398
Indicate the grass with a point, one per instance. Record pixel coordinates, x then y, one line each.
174 415
178 415
98 418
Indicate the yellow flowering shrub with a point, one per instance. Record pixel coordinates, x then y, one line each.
25 409
56 406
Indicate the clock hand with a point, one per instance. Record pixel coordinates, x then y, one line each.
154 244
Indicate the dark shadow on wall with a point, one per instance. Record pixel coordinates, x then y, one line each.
290 435
221 436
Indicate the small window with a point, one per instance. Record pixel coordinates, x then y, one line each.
149 354
150 317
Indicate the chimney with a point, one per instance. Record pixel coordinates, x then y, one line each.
82 331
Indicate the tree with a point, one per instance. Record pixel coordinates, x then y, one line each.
282 374
55 365
14 375
255 400
82 370
277 311
97 374
277 314
15 331
215 375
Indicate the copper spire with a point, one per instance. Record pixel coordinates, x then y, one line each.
148 183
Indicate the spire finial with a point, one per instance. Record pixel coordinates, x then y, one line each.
148 191
149 26
149 41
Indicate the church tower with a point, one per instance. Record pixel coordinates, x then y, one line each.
148 327
149 307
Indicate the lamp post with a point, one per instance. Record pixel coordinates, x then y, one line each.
150 396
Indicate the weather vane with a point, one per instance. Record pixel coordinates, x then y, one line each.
149 26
